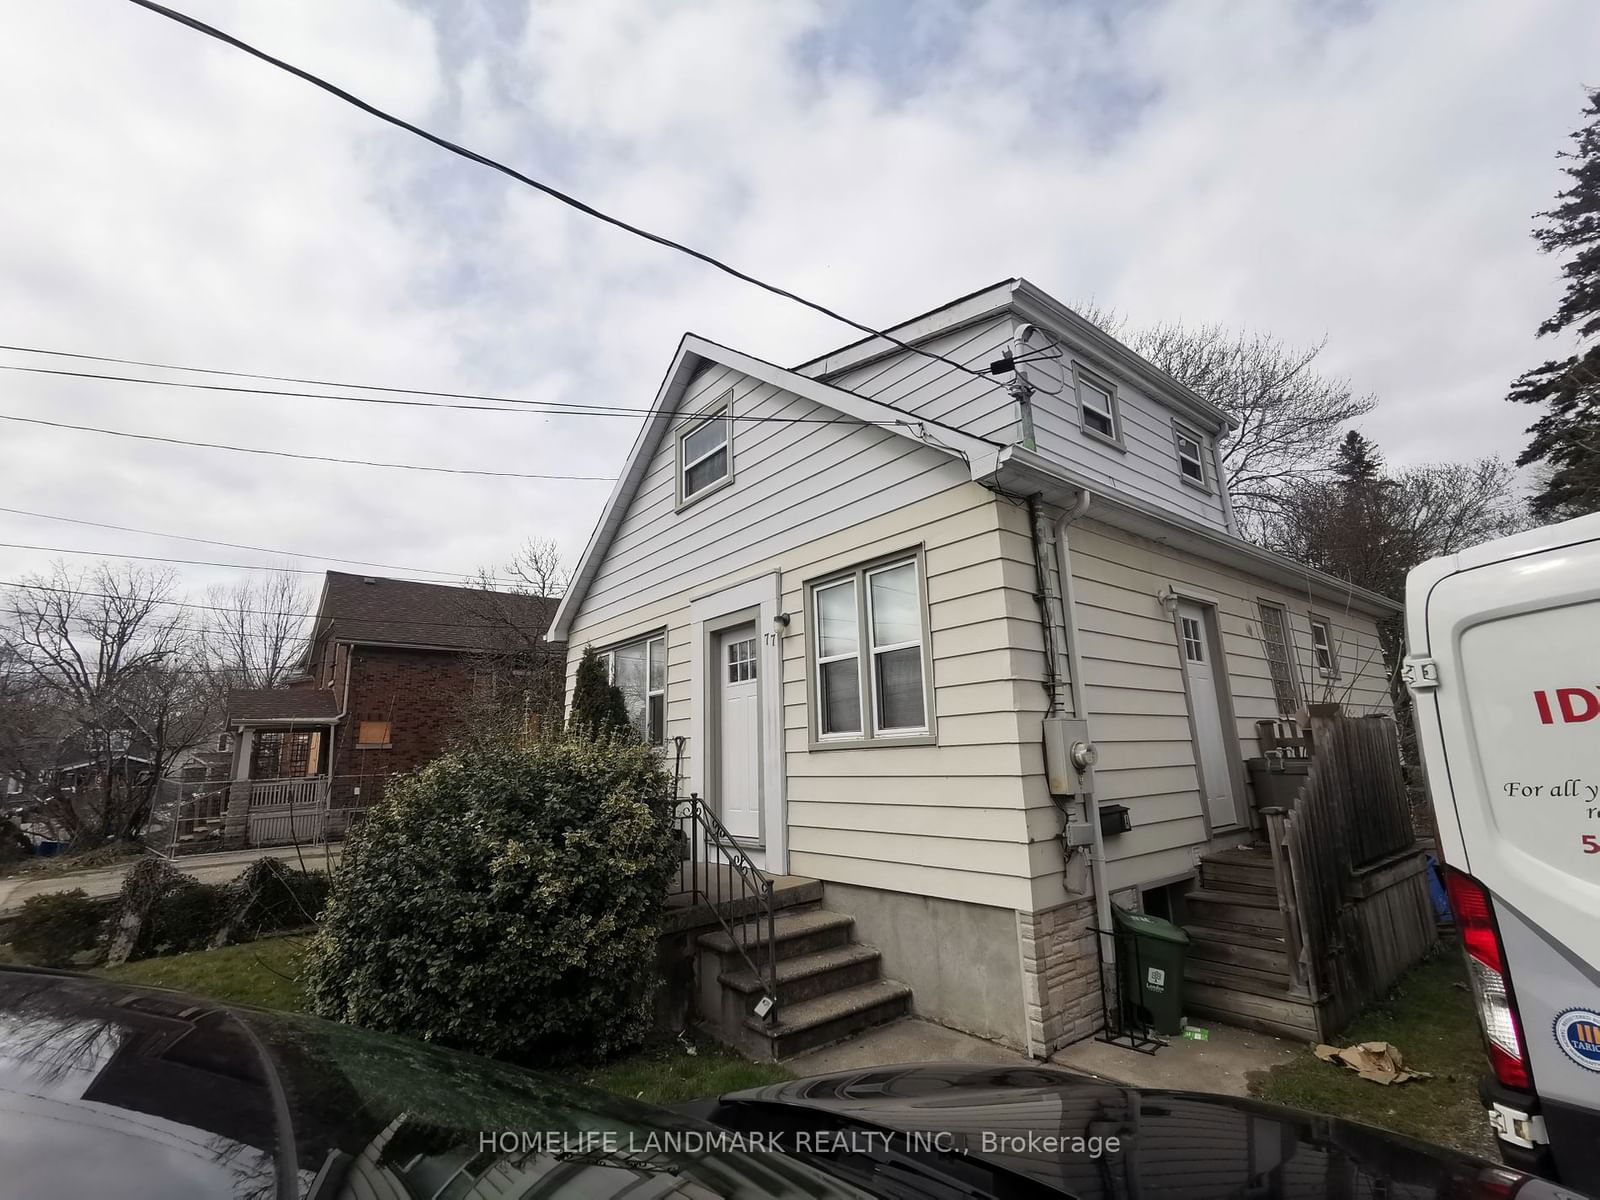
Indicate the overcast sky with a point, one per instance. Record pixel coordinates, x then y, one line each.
1364 172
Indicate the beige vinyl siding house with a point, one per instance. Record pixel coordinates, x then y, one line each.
867 591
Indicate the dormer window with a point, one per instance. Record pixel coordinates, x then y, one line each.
1097 406
705 452
1191 461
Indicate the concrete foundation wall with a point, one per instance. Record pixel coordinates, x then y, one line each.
961 959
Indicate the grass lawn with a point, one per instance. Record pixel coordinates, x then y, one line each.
261 973
1431 1018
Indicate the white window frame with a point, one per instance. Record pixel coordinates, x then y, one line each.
1330 670
866 654
608 656
1182 433
1082 377
720 410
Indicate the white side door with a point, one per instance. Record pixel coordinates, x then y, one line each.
738 715
1200 667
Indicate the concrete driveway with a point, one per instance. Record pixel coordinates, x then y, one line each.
207 868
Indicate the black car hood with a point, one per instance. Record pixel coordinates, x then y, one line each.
1025 1130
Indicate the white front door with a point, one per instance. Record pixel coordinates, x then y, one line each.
1201 665
738 743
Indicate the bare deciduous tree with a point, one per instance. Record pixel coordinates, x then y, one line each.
256 630
527 672
1289 413
103 651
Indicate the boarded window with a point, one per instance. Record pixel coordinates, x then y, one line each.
1275 640
373 733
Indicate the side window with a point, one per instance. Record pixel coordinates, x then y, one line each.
1191 455
1097 405
869 654
1324 650
1275 641
639 670
705 452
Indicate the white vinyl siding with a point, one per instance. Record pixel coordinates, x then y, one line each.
1138 713
812 501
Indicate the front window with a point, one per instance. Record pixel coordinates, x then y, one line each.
1323 650
869 645
639 671
705 454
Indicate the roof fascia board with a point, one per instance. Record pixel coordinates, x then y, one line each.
1094 343
946 319
1024 471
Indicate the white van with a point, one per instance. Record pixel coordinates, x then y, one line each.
1504 665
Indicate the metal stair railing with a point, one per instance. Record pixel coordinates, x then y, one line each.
740 897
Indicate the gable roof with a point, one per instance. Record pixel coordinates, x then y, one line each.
695 352
375 609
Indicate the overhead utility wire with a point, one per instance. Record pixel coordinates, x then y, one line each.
535 408
182 537
372 110
349 462
188 562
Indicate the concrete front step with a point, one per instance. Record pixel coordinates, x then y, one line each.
830 1018
796 932
1207 907
808 976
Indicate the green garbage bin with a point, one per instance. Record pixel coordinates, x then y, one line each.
1150 955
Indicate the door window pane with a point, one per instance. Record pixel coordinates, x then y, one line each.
836 619
841 696
900 688
896 619
1193 644
742 660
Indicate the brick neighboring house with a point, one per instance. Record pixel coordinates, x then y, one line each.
393 669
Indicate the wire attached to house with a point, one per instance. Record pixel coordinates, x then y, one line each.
348 462
554 193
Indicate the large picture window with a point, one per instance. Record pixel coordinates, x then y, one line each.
869 654
639 671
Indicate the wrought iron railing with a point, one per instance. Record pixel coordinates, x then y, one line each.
719 874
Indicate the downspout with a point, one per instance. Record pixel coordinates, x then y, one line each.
1080 709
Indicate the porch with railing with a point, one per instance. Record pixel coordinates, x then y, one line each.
201 816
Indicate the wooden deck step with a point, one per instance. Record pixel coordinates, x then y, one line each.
794 933
1258 953
1208 907
1242 979
833 1017
1280 1016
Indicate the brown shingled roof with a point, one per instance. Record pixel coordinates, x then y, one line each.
282 704
371 608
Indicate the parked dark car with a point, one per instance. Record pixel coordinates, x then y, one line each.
112 1091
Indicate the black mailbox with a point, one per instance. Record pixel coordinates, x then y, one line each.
1114 819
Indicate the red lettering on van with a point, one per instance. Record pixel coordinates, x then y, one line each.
1576 705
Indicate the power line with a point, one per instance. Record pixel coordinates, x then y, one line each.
182 537
349 462
573 202
188 562
532 408
266 612
535 407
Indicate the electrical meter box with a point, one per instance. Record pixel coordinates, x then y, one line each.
1069 756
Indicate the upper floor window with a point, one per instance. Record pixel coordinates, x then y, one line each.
373 734
1324 652
1191 450
1097 405
705 452
639 671
869 654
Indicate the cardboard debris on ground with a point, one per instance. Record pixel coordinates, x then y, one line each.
1378 1061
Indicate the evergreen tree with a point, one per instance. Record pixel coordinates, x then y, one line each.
1357 460
598 706
1566 437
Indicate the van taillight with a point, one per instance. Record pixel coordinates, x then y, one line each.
1491 985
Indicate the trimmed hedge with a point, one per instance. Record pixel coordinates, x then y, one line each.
505 902
51 928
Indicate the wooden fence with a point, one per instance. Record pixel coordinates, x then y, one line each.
1352 880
